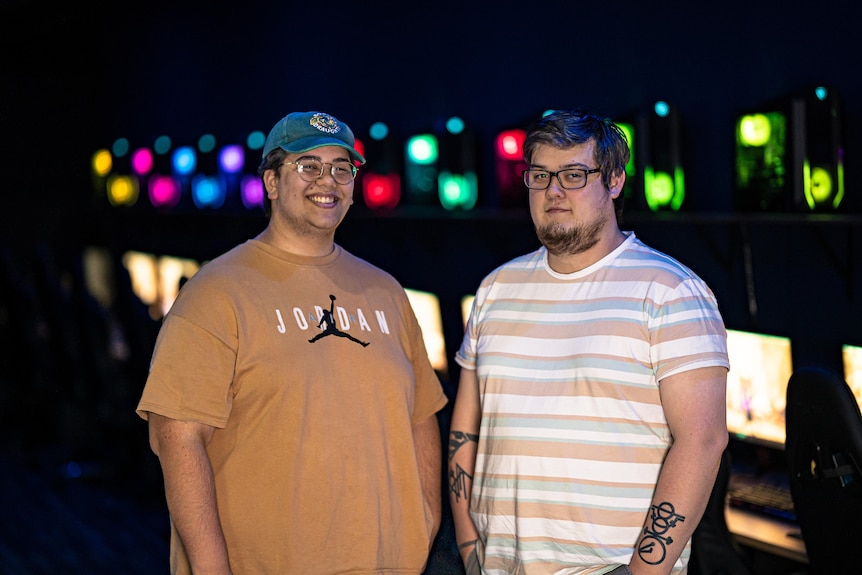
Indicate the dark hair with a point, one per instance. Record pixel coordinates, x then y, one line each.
566 128
272 161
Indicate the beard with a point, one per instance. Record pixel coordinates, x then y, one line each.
566 241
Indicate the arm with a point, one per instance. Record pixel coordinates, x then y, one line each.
463 443
426 438
190 490
694 406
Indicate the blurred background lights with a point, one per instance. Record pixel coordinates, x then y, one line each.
251 192
120 147
422 149
509 144
162 145
231 159
458 191
184 161
207 192
661 109
455 125
359 147
164 192
629 132
255 140
206 143
754 130
122 190
381 191
102 163
821 93
378 131
821 185
142 161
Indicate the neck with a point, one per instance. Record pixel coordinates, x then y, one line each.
297 244
571 263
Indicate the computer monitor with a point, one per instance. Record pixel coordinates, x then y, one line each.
852 358
466 308
760 367
426 306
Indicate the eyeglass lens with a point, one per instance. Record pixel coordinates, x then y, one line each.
311 170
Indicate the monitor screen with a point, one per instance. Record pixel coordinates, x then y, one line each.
760 367
426 306
466 308
852 357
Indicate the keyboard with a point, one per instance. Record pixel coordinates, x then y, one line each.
761 497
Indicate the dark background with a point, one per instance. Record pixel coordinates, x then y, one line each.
75 78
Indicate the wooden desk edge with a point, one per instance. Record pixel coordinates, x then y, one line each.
769 535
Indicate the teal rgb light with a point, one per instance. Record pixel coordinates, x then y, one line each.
421 169
455 125
162 145
378 131
206 143
255 140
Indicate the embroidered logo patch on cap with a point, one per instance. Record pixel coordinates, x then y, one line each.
325 123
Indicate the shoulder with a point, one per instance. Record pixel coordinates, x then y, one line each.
366 269
640 259
515 269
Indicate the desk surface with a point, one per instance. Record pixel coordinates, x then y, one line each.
769 535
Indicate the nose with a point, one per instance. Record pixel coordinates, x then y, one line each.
555 187
326 171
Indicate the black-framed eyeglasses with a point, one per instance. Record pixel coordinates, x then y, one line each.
570 179
310 170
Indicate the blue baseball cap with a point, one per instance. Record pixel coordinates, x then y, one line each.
303 131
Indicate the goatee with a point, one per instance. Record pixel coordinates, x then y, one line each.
562 241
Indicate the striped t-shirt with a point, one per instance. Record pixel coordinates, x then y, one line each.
573 434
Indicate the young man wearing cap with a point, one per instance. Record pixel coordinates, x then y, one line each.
290 398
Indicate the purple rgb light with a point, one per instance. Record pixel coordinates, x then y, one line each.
231 159
251 192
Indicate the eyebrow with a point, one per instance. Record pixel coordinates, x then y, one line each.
318 159
563 167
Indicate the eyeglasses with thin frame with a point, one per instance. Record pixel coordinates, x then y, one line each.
310 170
570 179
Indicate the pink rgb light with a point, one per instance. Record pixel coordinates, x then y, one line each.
164 191
142 161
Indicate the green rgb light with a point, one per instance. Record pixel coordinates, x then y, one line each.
422 149
458 191
664 191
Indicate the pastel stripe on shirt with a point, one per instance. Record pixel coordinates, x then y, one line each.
573 434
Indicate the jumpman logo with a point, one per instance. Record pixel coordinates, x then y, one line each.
327 318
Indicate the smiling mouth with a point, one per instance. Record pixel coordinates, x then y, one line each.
324 200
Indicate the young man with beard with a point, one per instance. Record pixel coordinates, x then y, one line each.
590 416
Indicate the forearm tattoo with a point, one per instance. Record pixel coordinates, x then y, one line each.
652 548
457 476
459 438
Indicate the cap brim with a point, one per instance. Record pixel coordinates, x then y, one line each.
306 144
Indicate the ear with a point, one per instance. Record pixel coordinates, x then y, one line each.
617 183
270 183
